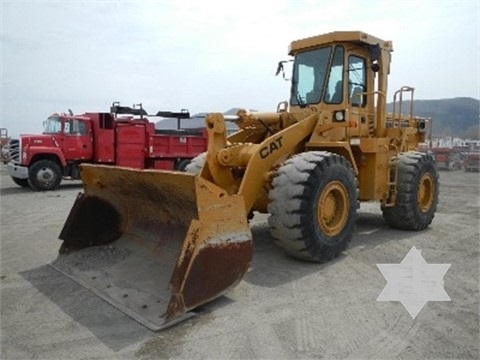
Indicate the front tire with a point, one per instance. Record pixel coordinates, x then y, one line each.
44 175
182 164
313 205
417 192
20 182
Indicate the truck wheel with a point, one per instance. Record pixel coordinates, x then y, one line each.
20 182
181 165
417 193
196 164
313 205
44 175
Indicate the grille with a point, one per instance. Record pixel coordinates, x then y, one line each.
14 150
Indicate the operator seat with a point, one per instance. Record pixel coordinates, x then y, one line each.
357 100
338 94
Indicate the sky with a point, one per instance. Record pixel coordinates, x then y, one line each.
210 56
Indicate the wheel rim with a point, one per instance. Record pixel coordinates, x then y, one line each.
425 192
332 211
45 176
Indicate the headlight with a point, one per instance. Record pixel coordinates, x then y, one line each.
339 115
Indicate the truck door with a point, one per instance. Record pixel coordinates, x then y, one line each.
77 140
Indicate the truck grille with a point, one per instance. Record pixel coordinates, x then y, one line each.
14 150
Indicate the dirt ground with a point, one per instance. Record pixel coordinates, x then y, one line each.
283 308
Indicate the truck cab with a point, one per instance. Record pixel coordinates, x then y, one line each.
74 134
40 161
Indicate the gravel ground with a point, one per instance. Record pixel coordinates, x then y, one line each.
282 309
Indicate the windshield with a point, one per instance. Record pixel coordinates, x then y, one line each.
53 125
308 78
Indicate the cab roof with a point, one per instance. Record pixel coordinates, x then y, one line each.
338 36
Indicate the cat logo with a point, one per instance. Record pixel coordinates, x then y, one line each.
273 146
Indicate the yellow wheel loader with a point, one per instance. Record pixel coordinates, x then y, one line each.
157 244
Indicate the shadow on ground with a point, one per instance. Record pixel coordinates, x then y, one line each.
17 190
112 327
272 267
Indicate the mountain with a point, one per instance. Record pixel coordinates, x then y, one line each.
456 117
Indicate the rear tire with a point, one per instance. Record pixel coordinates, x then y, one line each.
417 193
44 175
20 182
196 164
313 205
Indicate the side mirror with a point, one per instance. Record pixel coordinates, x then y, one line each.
281 68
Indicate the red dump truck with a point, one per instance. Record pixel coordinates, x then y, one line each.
130 140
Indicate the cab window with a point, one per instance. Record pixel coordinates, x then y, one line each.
53 125
309 72
75 127
334 93
357 80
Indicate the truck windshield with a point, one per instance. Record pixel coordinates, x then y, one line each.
309 70
53 125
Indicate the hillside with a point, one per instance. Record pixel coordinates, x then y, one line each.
450 117
456 117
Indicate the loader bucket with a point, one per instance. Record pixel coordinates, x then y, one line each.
155 244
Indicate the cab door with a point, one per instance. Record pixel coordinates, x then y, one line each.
77 139
359 91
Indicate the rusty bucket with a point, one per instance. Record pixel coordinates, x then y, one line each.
155 244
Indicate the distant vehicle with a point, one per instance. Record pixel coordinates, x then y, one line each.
4 140
472 162
4 154
42 161
447 158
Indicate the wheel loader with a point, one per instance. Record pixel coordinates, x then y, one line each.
158 244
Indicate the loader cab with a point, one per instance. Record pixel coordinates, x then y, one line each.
342 72
329 75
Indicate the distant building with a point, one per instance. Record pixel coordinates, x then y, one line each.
455 142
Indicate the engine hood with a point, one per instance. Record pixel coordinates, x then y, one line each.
40 140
